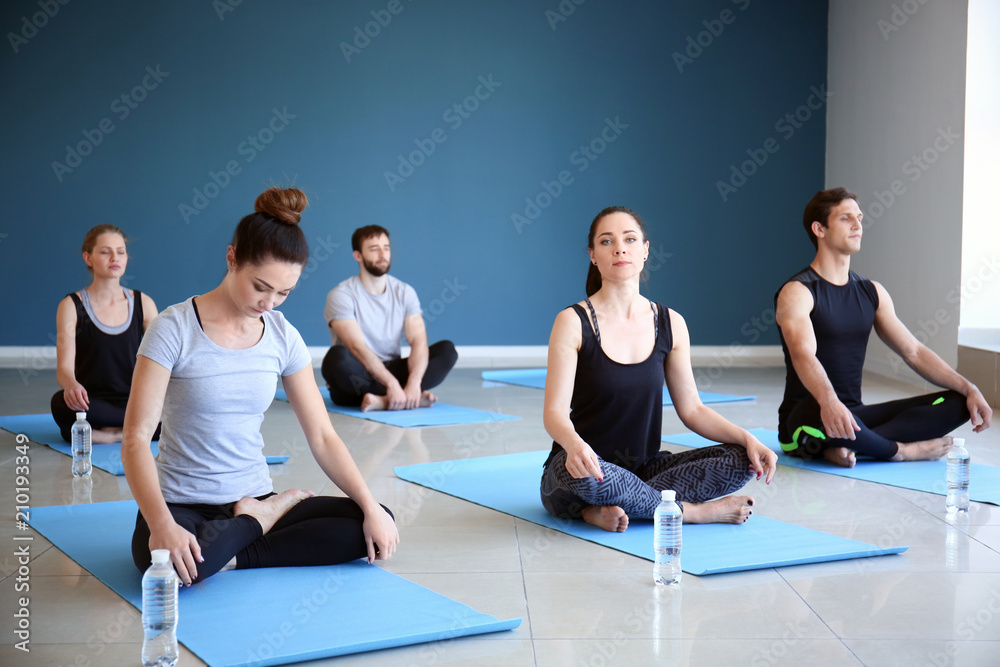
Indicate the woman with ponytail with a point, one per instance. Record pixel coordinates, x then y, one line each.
608 358
210 365
99 330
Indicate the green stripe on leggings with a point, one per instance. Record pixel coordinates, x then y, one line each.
808 430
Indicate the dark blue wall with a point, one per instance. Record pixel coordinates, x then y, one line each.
484 277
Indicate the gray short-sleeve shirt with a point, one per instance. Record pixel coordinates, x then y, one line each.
380 316
211 448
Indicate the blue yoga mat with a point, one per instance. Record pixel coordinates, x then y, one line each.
439 414
929 476
509 484
535 377
106 456
270 616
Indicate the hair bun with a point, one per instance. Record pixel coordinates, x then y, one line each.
285 205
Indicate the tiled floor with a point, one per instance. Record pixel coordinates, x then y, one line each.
582 604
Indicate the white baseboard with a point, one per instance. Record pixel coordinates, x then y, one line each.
469 356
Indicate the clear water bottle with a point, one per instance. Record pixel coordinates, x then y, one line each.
159 612
81 445
958 478
667 540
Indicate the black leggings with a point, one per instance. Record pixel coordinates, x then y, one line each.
696 475
349 381
321 530
883 425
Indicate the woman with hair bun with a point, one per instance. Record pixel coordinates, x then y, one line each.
608 358
210 365
98 333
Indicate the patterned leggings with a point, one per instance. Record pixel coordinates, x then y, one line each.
696 475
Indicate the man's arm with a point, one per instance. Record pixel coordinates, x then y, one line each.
795 302
349 334
925 362
416 337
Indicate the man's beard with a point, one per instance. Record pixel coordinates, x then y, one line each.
376 270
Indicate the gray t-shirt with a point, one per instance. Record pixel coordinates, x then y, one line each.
211 448
380 316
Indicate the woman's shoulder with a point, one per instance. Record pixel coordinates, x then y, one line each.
177 315
572 312
278 323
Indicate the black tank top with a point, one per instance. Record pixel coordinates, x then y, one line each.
618 408
842 317
104 362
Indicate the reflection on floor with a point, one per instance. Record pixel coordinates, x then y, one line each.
582 604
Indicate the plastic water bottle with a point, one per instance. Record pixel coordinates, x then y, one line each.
958 478
159 612
667 541
81 445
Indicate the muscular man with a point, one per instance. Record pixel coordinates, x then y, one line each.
825 314
367 315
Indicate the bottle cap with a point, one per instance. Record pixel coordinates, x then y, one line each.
160 556
668 495
81 415
958 442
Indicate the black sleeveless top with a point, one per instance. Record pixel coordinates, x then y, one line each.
104 362
842 317
618 408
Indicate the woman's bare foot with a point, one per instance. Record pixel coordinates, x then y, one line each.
842 456
609 517
102 436
924 450
375 402
731 509
268 511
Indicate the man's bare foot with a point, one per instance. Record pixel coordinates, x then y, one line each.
609 517
375 402
102 436
842 456
731 509
924 450
268 511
